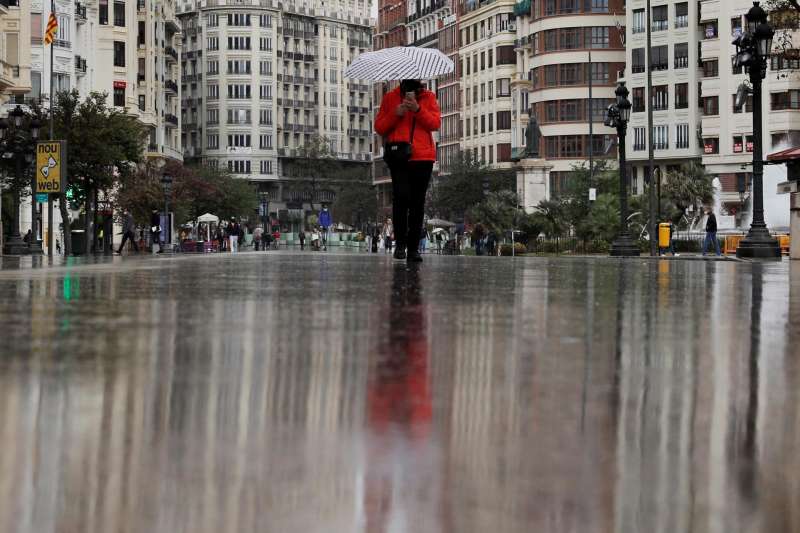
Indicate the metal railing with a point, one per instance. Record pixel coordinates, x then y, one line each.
80 13
171 119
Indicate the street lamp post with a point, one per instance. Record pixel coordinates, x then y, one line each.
752 52
617 116
15 146
166 183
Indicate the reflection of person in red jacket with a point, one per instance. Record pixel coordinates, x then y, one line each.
406 109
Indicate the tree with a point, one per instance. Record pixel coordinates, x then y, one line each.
497 212
103 145
604 217
356 203
691 186
466 185
550 217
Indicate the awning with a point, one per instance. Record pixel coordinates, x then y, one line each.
789 154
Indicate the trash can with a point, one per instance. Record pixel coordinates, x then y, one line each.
78 241
663 235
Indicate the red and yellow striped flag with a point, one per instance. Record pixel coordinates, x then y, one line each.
51 30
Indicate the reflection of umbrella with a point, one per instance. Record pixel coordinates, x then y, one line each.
208 217
440 222
439 230
400 63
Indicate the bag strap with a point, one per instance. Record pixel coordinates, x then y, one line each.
413 127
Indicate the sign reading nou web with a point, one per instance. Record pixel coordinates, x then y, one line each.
51 166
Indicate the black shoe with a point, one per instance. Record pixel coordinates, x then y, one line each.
399 253
414 258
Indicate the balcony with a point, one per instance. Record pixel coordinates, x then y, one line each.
359 87
60 43
358 43
426 40
8 73
435 6
189 78
191 31
171 86
171 25
358 133
193 102
171 53
80 66
80 13
357 109
140 77
170 120
661 145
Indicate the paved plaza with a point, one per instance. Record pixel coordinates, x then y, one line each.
311 392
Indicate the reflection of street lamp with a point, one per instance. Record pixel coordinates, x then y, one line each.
16 146
752 52
618 115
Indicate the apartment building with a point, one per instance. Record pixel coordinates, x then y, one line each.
449 94
263 83
568 58
726 133
15 59
677 72
487 66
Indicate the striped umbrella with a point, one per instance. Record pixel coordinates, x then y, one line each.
400 63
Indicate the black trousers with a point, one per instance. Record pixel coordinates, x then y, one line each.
409 187
128 237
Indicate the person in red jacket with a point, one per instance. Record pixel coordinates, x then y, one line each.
406 109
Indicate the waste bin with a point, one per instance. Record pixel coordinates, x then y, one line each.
78 241
663 235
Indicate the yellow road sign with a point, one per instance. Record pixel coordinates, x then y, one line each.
50 166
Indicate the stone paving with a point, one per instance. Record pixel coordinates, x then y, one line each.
311 392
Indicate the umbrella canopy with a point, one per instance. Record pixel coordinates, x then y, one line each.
440 222
208 217
439 230
400 63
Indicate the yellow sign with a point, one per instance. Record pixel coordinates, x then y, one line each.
50 166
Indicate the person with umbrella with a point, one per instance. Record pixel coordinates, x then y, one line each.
408 116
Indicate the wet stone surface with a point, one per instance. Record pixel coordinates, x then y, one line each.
294 392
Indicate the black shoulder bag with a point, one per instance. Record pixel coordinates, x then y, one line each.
399 153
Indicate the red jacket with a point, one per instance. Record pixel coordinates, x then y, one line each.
398 129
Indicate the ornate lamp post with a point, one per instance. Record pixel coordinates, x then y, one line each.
17 146
752 52
166 183
617 116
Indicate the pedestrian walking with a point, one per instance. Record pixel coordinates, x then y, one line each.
257 233
128 232
423 240
155 232
408 116
711 233
302 237
233 236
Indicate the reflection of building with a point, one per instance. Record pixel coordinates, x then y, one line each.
677 73
565 53
264 87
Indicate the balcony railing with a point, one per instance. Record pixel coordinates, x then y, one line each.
188 78
171 52
357 109
639 147
427 39
171 85
358 133
682 62
171 120
660 25
140 77
60 43
80 13
661 146
360 87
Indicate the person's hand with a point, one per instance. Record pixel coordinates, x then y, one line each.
411 103
401 110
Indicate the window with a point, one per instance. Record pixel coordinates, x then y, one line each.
265 44
682 136
265 142
637 60
571 146
119 53
738 144
681 95
682 15
681 55
468 129
637 99
503 152
569 39
570 74
710 68
570 110
213 44
212 141
483 92
483 124
212 67
213 92
265 117
239 167
265 21
659 57
491 122
639 140
748 143
746 108
265 92
711 31
119 96
660 137
599 6
660 98
483 61
212 116
711 145
213 20
240 66
599 73
736 26
142 102
475 94
660 19
504 120
265 68
239 91
504 87
239 140
551 111
711 105
475 63
119 13
266 167
103 12
468 99
490 90
505 55
599 38
238 19
785 100
491 58
638 21
239 116
140 35
238 43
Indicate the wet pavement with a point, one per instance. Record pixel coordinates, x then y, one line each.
289 392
